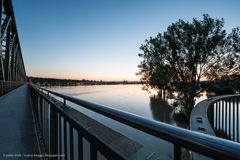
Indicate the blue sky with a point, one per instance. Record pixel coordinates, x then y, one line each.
100 39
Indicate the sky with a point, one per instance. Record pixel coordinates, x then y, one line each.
100 39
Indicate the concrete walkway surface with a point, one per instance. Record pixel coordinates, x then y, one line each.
17 133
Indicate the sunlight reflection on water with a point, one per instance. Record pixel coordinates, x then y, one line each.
129 98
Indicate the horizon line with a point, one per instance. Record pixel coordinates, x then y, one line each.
83 79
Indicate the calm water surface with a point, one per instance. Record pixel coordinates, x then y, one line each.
129 98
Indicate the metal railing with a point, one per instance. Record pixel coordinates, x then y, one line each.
59 115
6 86
218 116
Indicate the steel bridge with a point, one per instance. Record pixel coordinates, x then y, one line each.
37 123
12 70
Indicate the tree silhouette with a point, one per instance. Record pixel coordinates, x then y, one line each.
186 53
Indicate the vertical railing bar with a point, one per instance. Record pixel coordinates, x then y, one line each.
215 106
44 126
65 138
233 101
41 110
217 115
71 142
53 131
35 108
237 120
226 115
64 101
219 110
229 119
60 135
41 114
222 114
51 142
47 121
93 151
177 152
49 124
80 146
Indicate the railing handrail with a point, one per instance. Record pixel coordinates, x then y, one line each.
213 147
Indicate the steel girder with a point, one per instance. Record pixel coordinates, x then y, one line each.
11 59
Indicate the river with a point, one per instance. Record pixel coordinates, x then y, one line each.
129 98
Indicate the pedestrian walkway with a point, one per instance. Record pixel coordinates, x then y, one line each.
17 132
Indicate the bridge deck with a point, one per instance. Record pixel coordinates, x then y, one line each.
17 135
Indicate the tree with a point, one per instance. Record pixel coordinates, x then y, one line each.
186 53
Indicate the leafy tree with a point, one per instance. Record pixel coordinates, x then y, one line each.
186 53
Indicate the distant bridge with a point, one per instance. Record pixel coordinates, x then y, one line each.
40 124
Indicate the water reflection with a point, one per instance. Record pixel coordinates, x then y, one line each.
129 98
164 112
161 110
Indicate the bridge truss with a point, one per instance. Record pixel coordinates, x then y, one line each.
11 60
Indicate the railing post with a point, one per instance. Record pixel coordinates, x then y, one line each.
80 146
71 142
53 131
233 101
219 115
64 102
177 152
93 151
60 135
230 118
226 115
65 138
222 115
237 119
